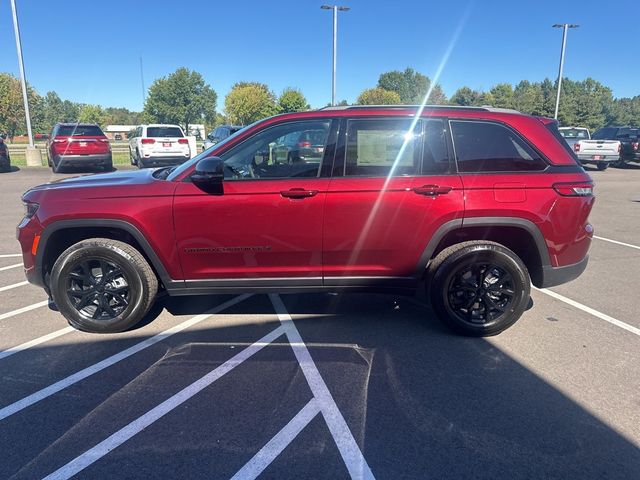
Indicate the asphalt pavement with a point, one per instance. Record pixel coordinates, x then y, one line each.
329 386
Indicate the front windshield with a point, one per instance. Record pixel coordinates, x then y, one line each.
187 165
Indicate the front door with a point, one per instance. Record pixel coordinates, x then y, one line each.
267 225
396 186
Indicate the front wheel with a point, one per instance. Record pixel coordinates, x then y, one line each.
102 285
478 288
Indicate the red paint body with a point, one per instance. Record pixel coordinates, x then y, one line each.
351 226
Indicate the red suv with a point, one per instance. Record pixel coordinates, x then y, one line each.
473 204
78 145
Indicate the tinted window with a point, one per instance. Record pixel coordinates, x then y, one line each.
605 134
379 148
490 147
164 132
266 155
578 133
435 157
80 130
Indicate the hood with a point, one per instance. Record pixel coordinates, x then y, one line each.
115 179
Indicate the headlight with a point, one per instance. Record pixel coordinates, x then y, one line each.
30 209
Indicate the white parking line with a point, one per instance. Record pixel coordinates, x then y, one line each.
10 255
28 308
274 447
118 438
617 242
15 285
113 359
347 446
36 341
591 311
9 267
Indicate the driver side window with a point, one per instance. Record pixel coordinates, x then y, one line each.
289 150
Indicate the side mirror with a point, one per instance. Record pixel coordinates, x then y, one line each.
208 175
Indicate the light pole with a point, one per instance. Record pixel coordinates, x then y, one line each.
32 154
565 27
335 9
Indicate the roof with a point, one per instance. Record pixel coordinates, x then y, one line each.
484 108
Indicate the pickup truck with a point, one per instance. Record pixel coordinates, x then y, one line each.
596 152
629 142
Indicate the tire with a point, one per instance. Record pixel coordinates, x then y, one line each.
139 161
602 166
108 167
129 294
56 168
132 158
476 308
619 163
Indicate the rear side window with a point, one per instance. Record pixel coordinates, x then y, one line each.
379 148
491 147
435 156
79 131
172 132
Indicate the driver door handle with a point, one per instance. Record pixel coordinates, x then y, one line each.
298 193
432 190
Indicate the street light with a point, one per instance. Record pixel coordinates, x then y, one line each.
336 9
565 27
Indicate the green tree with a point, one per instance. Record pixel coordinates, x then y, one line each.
502 95
248 102
411 86
121 116
464 96
12 117
378 96
292 100
183 98
92 114
527 98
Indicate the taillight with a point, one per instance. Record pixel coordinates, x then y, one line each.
619 148
304 144
576 147
146 141
183 141
59 140
571 189
635 146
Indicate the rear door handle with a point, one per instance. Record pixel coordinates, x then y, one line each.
298 193
432 190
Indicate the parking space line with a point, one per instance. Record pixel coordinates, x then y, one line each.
274 447
591 311
28 308
349 450
9 267
10 255
118 438
15 285
36 341
113 359
617 242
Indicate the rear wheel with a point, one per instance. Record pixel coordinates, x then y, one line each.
102 285
602 166
478 288
619 163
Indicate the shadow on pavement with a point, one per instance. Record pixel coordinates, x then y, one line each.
420 401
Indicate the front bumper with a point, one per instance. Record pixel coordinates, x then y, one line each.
552 276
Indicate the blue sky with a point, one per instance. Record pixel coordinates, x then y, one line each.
89 51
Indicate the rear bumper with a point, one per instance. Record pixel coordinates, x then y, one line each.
100 159
604 158
162 161
552 276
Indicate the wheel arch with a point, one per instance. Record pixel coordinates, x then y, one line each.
58 236
520 235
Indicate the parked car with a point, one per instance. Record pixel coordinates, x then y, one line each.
470 204
300 147
5 159
628 137
78 145
600 153
158 145
218 134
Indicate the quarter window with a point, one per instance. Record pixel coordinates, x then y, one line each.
491 147
380 148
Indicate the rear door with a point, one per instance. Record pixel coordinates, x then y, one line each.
393 186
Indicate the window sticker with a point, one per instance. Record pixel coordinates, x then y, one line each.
381 147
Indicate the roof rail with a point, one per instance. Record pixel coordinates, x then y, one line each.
484 108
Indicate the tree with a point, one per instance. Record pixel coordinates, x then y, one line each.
292 100
502 95
378 96
248 102
411 86
121 116
92 114
183 98
464 96
12 117
527 98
